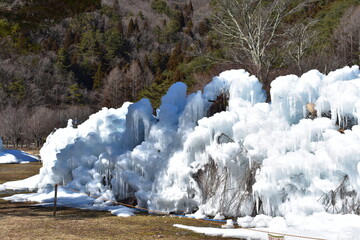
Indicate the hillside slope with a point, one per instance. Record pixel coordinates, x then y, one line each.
61 55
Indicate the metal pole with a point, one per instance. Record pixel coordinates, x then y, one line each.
55 199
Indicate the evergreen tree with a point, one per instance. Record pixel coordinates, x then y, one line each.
62 60
114 44
69 39
98 78
131 28
120 28
176 57
17 90
74 94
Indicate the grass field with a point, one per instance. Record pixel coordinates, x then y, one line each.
25 221
12 172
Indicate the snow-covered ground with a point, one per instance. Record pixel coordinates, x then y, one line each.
65 197
254 158
15 156
320 225
317 226
25 184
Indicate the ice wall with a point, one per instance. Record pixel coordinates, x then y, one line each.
252 158
310 166
1 144
78 156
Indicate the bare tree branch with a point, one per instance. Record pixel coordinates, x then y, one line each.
253 28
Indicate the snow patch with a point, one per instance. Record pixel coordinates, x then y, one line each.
16 156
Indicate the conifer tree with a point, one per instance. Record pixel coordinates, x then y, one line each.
131 28
69 39
62 60
98 78
120 28
176 57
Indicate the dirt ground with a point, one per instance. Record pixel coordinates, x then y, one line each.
26 221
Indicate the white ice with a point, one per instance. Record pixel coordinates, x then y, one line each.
177 161
254 158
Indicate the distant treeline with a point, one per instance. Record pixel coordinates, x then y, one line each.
21 127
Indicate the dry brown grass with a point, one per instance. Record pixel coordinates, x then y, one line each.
26 221
34 152
12 172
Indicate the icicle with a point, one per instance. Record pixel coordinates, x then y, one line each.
252 97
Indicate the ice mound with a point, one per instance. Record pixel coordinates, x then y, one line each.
254 157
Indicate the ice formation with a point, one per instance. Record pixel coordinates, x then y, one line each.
1 145
255 157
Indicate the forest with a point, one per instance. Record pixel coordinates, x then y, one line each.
68 59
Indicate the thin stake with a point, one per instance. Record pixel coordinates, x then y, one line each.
55 199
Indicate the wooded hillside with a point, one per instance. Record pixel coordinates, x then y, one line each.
57 56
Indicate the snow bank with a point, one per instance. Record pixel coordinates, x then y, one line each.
67 198
16 156
319 226
25 184
252 158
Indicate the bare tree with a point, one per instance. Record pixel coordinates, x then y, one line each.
44 120
252 29
135 77
347 36
13 124
116 90
78 114
41 123
300 38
